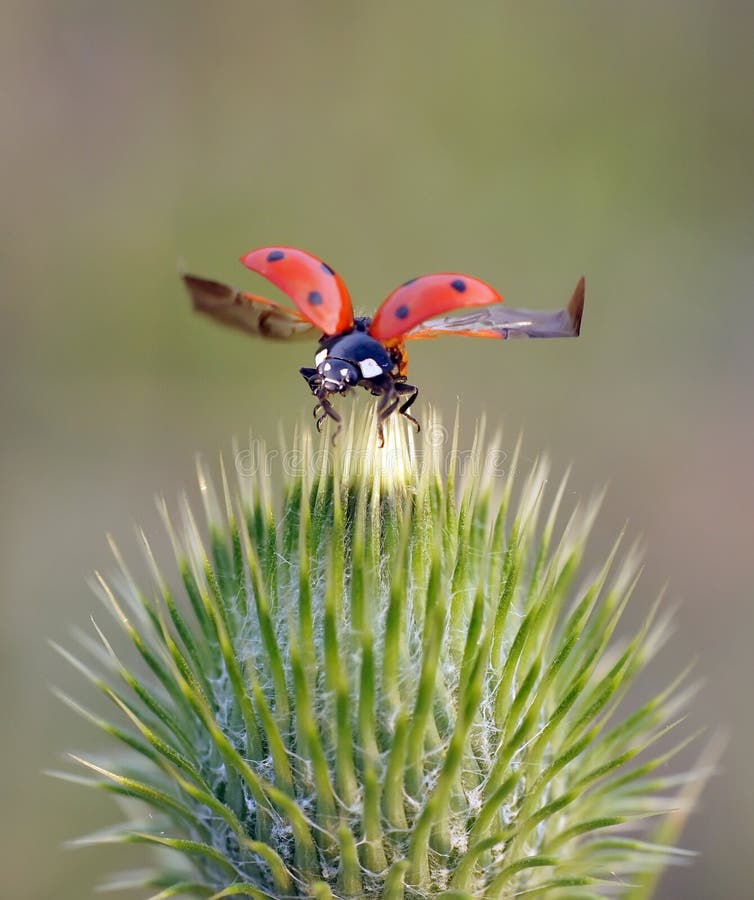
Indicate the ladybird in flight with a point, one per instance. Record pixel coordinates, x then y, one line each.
359 351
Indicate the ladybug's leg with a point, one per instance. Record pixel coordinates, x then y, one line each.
403 388
328 412
323 408
385 408
311 377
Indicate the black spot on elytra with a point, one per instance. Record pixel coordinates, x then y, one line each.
402 311
275 255
326 268
407 283
458 284
315 298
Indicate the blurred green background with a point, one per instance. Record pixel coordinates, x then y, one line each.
523 143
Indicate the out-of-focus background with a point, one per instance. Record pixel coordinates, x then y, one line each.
523 143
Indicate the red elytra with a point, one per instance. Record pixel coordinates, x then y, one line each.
316 289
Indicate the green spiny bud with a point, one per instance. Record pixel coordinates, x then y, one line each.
395 680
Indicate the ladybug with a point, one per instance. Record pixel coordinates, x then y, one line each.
358 351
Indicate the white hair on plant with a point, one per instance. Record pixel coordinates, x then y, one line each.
395 680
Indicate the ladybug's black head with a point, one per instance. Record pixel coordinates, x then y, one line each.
336 375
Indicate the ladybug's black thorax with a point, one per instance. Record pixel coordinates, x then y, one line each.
357 346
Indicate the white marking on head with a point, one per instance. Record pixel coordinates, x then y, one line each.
344 372
370 368
320 357
327 367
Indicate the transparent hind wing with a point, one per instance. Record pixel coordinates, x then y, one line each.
504 322
248 312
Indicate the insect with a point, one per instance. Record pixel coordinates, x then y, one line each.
358 351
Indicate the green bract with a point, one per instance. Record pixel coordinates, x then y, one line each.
394 680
